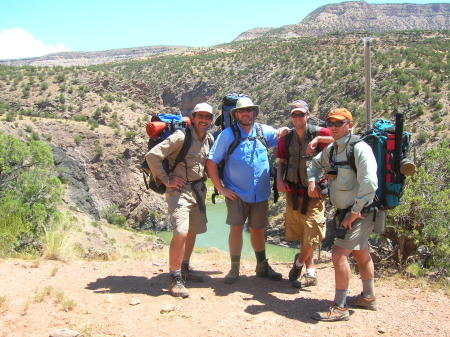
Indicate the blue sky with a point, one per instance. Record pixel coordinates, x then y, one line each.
34 28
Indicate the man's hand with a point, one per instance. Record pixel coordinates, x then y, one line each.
351 216
312 147
282 131
313 190
281 185
227 193
175 182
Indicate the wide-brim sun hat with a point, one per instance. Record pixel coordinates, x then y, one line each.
244 102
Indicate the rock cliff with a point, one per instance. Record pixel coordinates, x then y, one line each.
353 16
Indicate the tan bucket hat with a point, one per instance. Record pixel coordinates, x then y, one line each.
244 102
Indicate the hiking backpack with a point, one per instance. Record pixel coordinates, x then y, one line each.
159 128
390 145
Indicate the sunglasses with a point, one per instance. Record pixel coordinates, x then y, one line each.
299 115
336 124
245 109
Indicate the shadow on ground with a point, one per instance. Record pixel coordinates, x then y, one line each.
265 291
257 289
154 286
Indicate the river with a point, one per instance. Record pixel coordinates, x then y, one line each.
217 236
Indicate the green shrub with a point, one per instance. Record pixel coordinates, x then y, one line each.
422 137
35 135
29 194
98 149
93 124
80 118
77 139
113 216
131 134
422 218
106 108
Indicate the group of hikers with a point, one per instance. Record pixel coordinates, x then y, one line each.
239 168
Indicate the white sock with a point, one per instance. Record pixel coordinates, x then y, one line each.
311 272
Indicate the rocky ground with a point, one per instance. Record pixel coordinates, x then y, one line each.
129 297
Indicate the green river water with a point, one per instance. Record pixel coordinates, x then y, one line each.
217 236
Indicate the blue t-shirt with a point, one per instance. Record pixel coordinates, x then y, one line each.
247 170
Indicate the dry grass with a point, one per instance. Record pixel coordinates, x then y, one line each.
68 305
36 263
53 244
421 282
54 271
25 307
3 304
58 296
41 296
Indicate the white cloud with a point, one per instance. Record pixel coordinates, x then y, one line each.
18 43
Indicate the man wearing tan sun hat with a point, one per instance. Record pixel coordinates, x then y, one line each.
245 183
351 193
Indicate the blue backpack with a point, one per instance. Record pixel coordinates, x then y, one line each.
172 124
390 145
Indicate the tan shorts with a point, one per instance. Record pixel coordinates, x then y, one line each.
184 213
309 228
358 237
239 211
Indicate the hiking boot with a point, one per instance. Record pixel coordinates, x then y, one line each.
232 276
295 271
190 275
362 302
334 314
296 284
176 287
264 270
309 280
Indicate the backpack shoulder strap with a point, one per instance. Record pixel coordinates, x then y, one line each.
349 152
260 135
312 131
184 149
210 139
287 143
236 141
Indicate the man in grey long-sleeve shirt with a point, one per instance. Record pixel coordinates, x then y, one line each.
350 193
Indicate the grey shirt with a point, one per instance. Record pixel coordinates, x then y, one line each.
349 188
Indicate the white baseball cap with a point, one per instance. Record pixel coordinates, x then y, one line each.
204 107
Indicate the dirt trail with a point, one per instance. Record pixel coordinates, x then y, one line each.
94 299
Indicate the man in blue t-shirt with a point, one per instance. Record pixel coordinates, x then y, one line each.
246 184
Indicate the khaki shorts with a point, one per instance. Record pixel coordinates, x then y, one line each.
358 237
239 211
184 213
309 228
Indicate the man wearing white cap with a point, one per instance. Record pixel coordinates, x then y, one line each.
185 193
246 183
